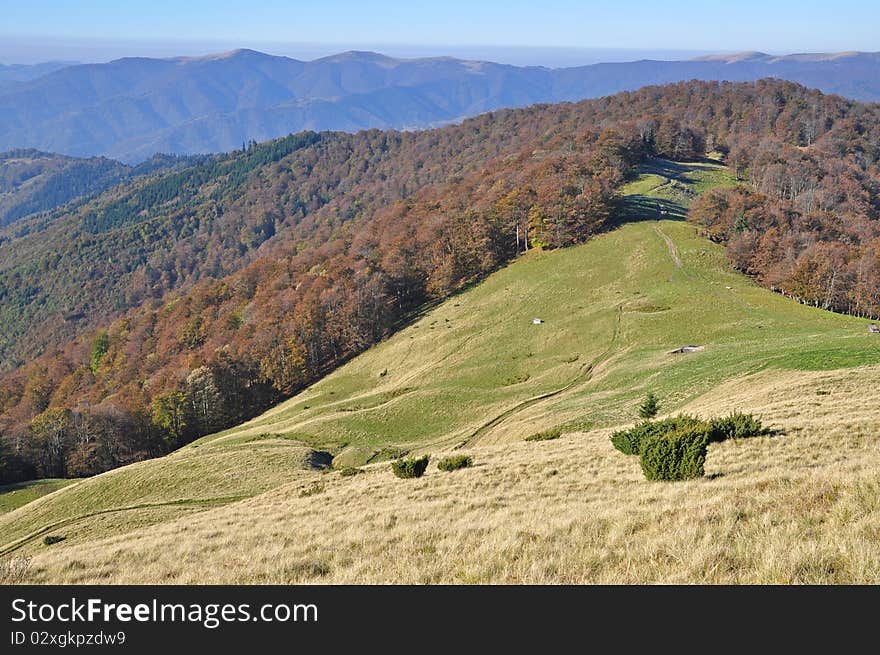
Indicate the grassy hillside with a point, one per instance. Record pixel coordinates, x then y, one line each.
13 496
236 283
477 370
155 491
803 507
251 505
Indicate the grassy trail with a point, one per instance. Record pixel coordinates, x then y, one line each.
582 378
205 503
671 245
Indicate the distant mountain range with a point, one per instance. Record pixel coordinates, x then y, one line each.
27 72
131 108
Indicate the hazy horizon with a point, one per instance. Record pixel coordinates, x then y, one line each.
34 50
554 33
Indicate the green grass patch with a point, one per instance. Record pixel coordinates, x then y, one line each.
620 302
13 496
157 489
830 358
545 435
642 185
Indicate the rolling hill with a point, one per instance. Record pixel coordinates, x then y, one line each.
456 377
474 374
186 302
131 108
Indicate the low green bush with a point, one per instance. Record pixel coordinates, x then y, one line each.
546 435
629 441
350 471
312 490
676 455
455 462
53 539
410 468
736 426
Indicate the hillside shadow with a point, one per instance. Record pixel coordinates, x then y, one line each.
648 208
665 168
672 169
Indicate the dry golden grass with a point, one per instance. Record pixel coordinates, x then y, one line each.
803 507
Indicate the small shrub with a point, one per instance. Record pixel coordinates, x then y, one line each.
53 539
546 435
350 471
676 455
308 569
410 468
736 426
395 393
455 462
312 490
629 441
580 424
649 407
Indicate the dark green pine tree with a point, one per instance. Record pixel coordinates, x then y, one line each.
649 407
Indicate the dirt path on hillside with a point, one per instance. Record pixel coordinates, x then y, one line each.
673 251
581 378
206 503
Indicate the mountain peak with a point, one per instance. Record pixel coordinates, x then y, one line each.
238 53
828 56
736 57
365 56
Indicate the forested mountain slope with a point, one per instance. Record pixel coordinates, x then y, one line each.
240 281
32 181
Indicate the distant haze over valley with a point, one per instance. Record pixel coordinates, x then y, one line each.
131 108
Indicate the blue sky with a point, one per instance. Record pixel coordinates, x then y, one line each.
778 26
